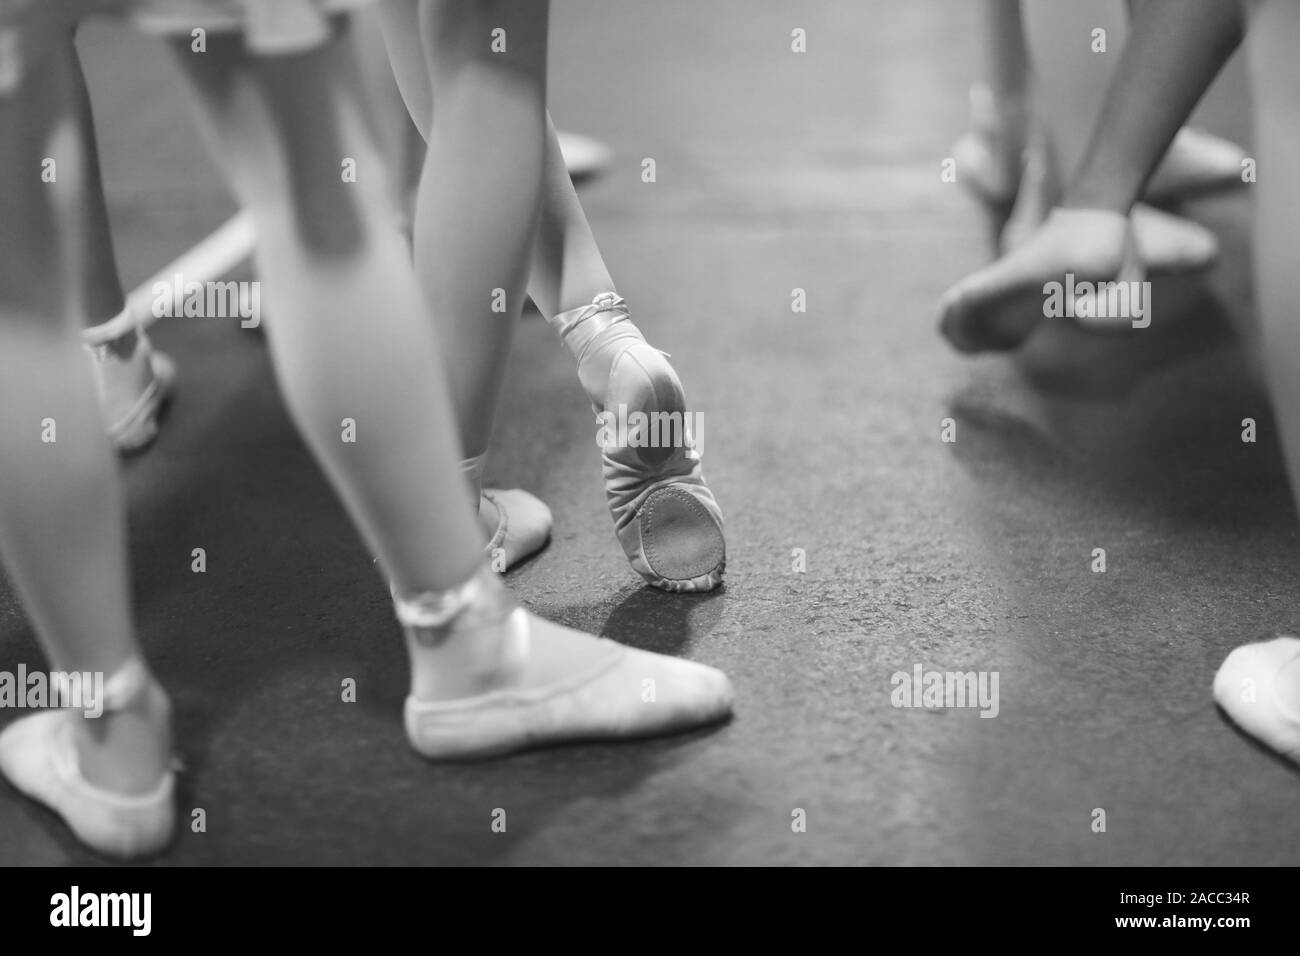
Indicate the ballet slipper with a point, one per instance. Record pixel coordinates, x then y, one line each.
1246 687
990 156
522 525
133 389
38 755
1170 244
999 306
665 517
1197 162
1167 244
583 156
611 693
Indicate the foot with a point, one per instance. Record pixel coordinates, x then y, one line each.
135 383
489 678
583 156
999 306
1258 686
517 524
107 777
664 514
1196 162
1170 244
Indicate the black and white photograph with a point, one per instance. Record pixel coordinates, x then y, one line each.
613 433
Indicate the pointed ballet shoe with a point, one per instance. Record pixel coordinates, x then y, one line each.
620 694
606 702
1131 274
1196 162
665 517
38 756
973 320
664 514
583 156
981 167
523 527
1245 688
1170 244
154 374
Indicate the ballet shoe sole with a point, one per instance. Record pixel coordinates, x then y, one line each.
1259 664
702 567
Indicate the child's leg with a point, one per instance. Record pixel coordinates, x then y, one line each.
478 332
1259 684
1071 78
573 288
134 380
567 269
350 340
1177 49
1072 75
347 341
477 209
62 528
1175 52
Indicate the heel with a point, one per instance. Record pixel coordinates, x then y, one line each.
38 755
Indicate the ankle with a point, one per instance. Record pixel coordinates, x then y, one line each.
464 641
127 749
595 334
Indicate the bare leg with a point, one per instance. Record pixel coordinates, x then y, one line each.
616 367
62 528
348 340
567 269
1175 52
134 380
351 340
474 244
1071 78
